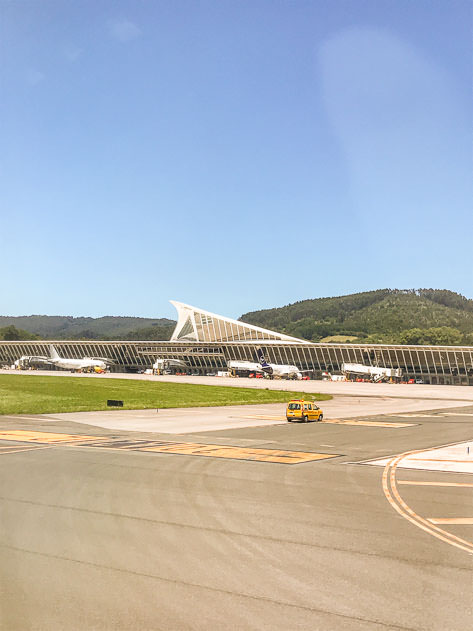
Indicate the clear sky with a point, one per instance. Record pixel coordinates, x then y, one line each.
234 155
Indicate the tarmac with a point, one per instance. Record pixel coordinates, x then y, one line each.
202 419
113 521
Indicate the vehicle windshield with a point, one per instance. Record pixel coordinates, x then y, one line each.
294 406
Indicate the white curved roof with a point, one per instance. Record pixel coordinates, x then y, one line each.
203 326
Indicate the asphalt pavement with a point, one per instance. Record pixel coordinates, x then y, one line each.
105 528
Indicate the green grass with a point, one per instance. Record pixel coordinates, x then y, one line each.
339 338
25 394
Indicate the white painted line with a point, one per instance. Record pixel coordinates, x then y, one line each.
424 483
453 458
456 414
464 521
337 421
21 417
433 415
387 425
415 415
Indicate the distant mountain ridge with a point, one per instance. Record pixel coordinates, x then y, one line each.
391 316
106 327
405 316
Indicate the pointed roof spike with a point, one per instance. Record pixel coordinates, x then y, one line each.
204 326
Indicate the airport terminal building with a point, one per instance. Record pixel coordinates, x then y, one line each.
205 342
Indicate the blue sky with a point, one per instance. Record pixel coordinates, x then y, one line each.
232 155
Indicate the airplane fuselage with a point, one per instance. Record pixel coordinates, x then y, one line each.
279 370
78 364
275 370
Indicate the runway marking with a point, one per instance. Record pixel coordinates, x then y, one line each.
123 443
44 440
432 415
416 415
415 483
12 450
456 458
457 414
396 501
437 460
7 447
25 417
264 417
468 521
370 423
336 421
240 453
25 436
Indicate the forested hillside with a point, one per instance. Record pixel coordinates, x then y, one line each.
105 328
394 316
413 316
12 333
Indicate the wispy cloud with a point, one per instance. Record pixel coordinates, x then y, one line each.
124 30
33 77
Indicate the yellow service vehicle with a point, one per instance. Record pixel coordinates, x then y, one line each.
301 410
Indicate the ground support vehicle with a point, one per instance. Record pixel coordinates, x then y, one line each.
303 411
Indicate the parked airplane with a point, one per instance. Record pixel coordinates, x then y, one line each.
72 364
278 370
273 370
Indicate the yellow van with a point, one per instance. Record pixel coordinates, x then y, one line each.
300 410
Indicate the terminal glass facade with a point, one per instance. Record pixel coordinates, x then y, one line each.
205 342
434 364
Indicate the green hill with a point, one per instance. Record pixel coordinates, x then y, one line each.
391 316
107 327
422 316
12 333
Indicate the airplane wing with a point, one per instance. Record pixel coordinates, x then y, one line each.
242 365
106 360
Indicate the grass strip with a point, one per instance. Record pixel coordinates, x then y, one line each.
25 394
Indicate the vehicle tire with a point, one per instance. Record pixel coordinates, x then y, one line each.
305 419
321 417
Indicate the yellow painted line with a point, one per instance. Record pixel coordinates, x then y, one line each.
414 483
400 506
48 440
467 521
240 453
25 436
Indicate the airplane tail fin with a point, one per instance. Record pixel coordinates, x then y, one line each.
53 352
261 358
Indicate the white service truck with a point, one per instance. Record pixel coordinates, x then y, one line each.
374 373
